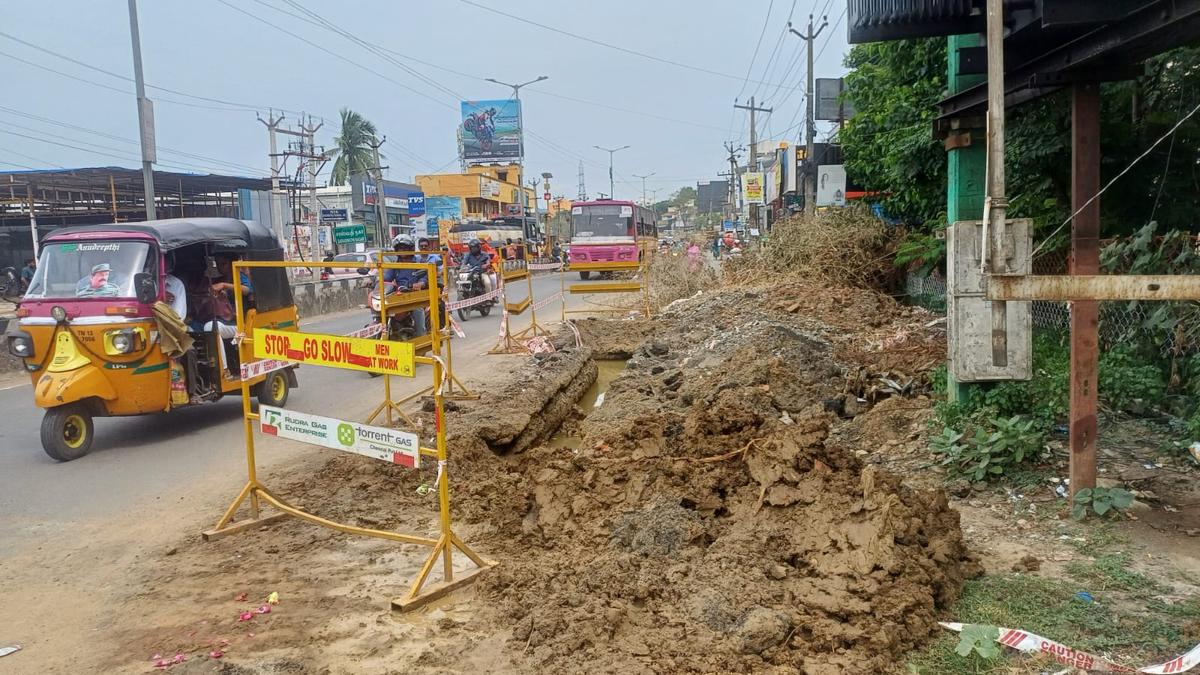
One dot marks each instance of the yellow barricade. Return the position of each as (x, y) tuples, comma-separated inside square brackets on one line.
[(386, 357)]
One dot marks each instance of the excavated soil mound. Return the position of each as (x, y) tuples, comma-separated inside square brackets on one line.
[(709, 522)]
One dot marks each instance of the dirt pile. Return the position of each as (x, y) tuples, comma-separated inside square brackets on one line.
[(710, 522)]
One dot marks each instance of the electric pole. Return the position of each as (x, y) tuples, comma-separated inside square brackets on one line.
[(306, 150), (735, 187), (582, 195), (145, 115), (644, 202), (611, 151), (381, 223), (752, 161), (810, 127), (272, 124)]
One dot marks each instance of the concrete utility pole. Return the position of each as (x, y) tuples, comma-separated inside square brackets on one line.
[(145, 115), (611, 151), (520, 125), (735, 187), (533, 185), (753, 160), (381, 224), (810, 126), (272, 124), (995, 205), (306, 150), (644, 202), (582, 194)]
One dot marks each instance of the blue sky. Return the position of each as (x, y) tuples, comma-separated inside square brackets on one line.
[(222, 64)]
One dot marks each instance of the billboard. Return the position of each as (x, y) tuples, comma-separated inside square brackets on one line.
[(830, 105), (441, 213), (491, 130), (831, 185), (752, 187)]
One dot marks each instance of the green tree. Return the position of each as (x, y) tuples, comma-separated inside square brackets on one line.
[(888, 144), (352, 147)]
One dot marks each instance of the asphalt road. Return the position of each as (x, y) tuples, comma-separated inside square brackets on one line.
[(152, 457)]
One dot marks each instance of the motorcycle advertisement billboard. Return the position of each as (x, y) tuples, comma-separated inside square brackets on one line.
[(491, 130)]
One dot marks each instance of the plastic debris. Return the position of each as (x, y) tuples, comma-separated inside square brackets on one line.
[(1031, 643), (1085, 597), (265, 609), (240, 597), (273, 598), (167, 663), (216, 654), (1194, 450), (5, 651), (245, 616)]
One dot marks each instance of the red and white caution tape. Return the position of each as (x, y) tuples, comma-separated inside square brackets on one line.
[(1030, 643), (455, 327), (546, 301), (575, 330), (471, 302), (255, 368)]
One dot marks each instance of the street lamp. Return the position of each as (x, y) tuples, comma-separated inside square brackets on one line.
[(520, 124), (644, 186), (611, 189)]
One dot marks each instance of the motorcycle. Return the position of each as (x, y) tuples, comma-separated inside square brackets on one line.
[(470, 285), (10, 285), (400, 324)]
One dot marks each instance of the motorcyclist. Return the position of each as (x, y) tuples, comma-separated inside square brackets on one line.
[(476, 258), (407, 280)]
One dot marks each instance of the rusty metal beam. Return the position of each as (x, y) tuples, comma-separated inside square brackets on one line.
[(1094, 287), (1085, 260)]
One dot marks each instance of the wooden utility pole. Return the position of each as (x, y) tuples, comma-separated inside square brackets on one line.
[(752, 161), (810, 125)]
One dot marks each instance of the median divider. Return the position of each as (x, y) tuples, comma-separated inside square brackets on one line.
[(389, 358)]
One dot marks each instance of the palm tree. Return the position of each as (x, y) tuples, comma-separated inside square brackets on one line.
[(352, 147)]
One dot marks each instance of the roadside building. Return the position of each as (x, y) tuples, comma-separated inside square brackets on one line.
[(485, 191)]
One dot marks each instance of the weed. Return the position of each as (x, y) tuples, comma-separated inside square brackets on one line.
[(988, 449), (1048, 607), (1110, 572), (1100, 501)]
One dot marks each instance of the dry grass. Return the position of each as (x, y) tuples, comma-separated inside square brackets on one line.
[(672, 278), (845, 247)]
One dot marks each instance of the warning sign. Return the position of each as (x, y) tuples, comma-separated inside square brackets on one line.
[(388, 445), (375, 356)]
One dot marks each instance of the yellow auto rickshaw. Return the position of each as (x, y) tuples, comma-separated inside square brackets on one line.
[(97, 340)]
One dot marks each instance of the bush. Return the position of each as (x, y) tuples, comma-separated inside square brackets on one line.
[(846, 247), (1126, 380), (988, 449)]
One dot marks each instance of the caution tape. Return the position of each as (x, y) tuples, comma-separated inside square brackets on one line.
[(545, 301), (455, 327), (471, 302), (256, 368), (1030, 643), (539, 267)]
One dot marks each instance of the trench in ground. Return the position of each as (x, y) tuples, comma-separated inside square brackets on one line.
[(606, 371)]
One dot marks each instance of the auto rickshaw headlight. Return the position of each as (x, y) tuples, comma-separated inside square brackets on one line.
[(59, 313), (123, 340), (20, 346)]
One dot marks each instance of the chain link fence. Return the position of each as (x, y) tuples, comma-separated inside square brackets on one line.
[(1121, 322)]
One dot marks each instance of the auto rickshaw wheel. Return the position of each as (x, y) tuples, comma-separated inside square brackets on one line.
[(274, 390), (67, 432)]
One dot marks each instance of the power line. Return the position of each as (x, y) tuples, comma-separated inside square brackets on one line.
[(163, 148), (607, 45), (31, 158), (757, 45), (234, 104), (97, 152)]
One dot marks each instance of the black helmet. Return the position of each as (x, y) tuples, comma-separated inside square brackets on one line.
[(475, 246)]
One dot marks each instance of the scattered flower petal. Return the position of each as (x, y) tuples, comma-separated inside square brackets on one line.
[(245, 616), (273, 598)]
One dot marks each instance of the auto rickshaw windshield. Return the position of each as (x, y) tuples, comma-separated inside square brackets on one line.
[(89, 269)]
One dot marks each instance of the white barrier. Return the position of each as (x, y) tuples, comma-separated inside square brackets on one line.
[(471, 302)]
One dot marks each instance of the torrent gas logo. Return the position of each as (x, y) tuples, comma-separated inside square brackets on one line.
[(345, 434)]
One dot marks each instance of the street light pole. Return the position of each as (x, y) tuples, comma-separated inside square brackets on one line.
[(145, 115), (516, 88), (644, 186), (612, 192)]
